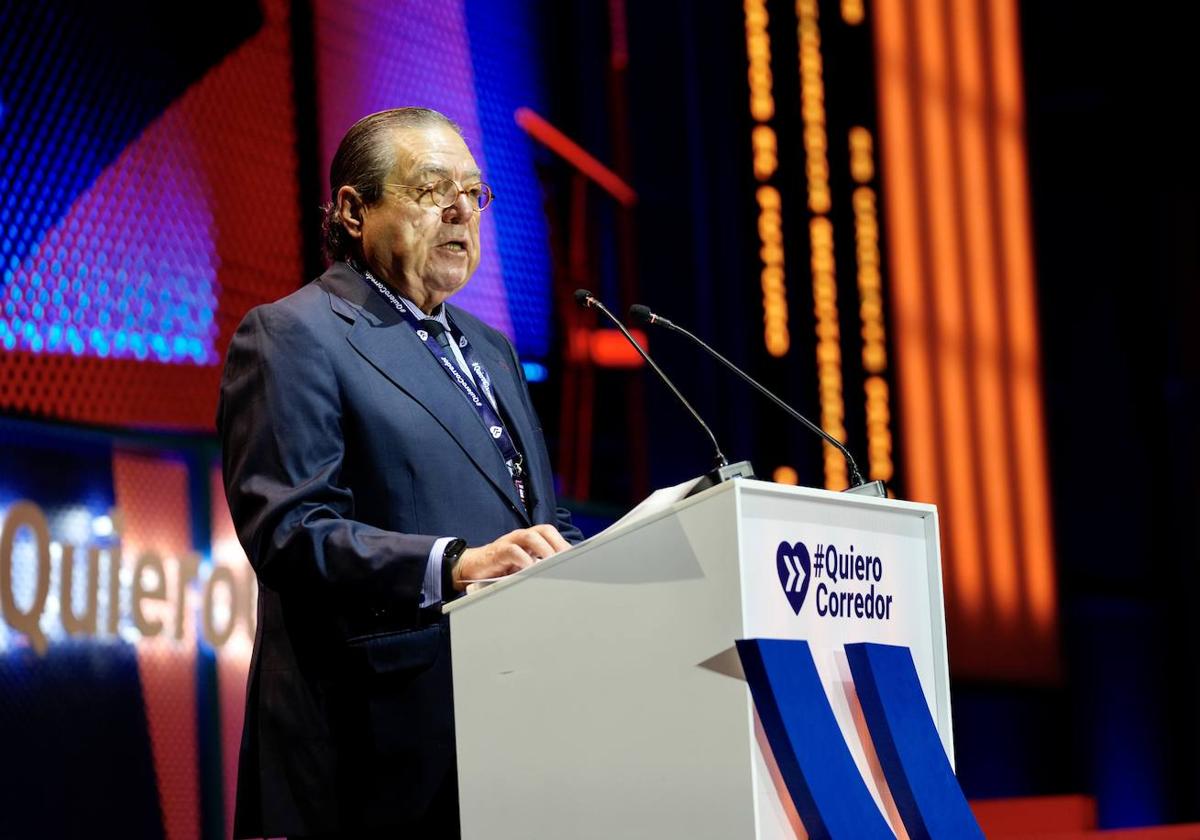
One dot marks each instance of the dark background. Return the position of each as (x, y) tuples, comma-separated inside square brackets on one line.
[(1115, 191), (1114, 186)]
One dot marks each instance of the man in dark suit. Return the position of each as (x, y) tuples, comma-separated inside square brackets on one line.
[(380, 452)]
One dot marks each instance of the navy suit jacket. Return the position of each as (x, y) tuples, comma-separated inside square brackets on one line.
[(347, 453)]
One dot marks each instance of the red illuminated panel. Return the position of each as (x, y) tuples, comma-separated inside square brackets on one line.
[(209, 187), (233, 664), (609, 348), (964, 321), (151, 494)]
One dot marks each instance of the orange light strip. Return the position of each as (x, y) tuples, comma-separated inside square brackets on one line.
[(776, 337), (870, 306), (821, 241), (964, 318), (610, 349), (958, 445), (812, 107), (984, 313), (537, 127), (910, 324), (1026, 412)]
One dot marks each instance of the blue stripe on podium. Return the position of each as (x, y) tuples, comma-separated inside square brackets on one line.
[(923, 785), (816, 765)]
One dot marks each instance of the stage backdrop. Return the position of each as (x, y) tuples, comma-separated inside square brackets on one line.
[(157, 179)]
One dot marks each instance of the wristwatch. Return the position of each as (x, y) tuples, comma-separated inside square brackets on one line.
[(450, 557)]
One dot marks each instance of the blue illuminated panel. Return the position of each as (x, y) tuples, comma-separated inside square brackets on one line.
[(148, 198), (505, 55), (535, 371), (96, 284), (107, 238), (476, 62)]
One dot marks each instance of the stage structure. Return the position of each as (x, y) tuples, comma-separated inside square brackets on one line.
[(600, 693)]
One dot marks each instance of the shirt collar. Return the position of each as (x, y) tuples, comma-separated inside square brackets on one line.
[(438, 314)]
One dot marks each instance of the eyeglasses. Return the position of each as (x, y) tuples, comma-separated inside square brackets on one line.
[(446, 192)]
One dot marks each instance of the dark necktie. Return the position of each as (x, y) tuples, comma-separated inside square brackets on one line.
[(435, 329), (439, 332)]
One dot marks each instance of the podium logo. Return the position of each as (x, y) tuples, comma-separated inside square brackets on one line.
[(849, 584), (793, 565)]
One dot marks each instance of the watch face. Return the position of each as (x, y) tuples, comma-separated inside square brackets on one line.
[(450, 558), (453, 553)]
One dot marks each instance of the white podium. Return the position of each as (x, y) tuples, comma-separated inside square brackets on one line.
[(598, 694)]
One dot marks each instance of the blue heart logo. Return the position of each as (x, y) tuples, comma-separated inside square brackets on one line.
[(793, 565)]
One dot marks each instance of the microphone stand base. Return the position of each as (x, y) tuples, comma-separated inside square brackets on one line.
[(871, 488), (720, 475)]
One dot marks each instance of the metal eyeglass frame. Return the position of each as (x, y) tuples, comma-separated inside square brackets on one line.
[(431, 189)]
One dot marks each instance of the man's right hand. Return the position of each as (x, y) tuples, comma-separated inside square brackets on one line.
[(511, 553)]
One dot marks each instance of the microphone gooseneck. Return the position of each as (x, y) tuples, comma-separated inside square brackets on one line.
[(645, 315), (587, 300)]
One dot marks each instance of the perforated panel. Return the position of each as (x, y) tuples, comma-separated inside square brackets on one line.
[(151, 492), (474, 62), (139, 219), (233, 666)]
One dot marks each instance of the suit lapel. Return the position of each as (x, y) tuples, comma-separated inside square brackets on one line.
[(380, 335)]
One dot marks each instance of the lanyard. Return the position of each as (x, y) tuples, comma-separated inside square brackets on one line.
[(487, 413)]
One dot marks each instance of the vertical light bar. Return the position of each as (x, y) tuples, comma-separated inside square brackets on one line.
[(902, 213), (965, 320), (984, 312), (776, 337), (953, 387), (821, 241), (870, 307), (1026, 413)]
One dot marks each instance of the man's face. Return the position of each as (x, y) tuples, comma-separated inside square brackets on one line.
[(424, 251)]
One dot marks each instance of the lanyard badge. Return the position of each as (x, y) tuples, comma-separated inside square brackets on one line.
[(431, 334)]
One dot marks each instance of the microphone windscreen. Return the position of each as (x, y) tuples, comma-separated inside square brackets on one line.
[(583, 297), (640, 312)]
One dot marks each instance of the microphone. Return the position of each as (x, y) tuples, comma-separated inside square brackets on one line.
[(723, 470), (860, 486)]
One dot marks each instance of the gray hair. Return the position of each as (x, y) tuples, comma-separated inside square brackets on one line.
[(363, 159)]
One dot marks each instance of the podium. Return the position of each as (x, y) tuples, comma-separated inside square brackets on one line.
[(599, 693)]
